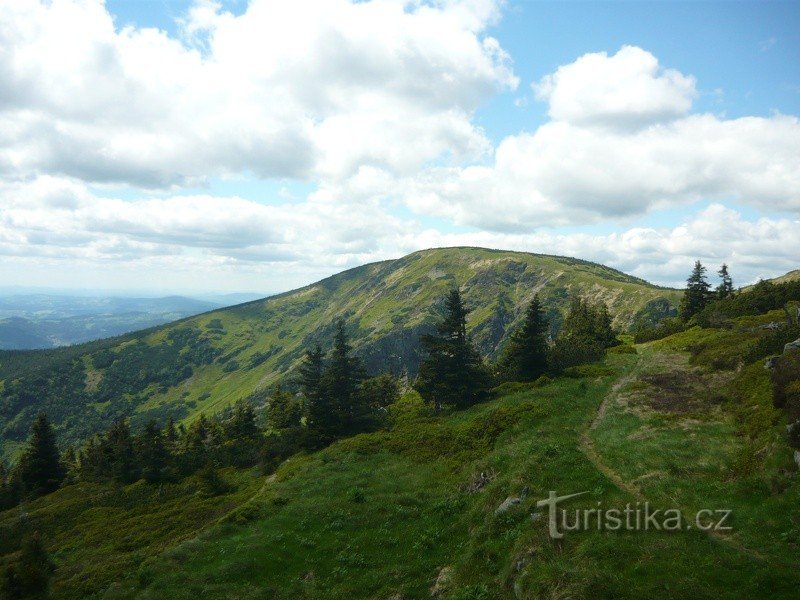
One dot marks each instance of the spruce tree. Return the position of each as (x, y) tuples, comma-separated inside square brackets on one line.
[(40, 470), (340, 383), (282, 411), (525, 356), (452, 373), (118, 448), (29, 575), (151, 453), (725, 288), (696, 295)]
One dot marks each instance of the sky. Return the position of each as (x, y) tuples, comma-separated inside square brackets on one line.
[(218, 146)]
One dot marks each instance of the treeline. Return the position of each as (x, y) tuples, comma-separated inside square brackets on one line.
[(330, 397), (708, 306)]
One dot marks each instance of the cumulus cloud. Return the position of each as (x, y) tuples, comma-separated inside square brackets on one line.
[(290, 88), (620, 143), (54, 221), (627, 89)]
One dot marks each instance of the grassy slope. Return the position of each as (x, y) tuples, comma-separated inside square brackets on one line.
[(385, 304), (381, 514)]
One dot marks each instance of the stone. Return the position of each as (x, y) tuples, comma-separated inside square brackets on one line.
[(769, 363), (797, 458), (795, 345), (443, 581), (507, 503)]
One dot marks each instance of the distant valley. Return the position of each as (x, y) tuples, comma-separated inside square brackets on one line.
[(30, 321)]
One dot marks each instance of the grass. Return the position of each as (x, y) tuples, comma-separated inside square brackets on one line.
[(98, 533), (382, 514)]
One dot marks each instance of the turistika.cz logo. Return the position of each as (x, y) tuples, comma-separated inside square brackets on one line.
[(634, 517)]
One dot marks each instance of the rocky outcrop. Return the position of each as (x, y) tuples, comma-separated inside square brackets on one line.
[(795, 345), (443, 581)]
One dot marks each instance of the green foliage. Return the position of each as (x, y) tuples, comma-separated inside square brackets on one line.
[(697, 294), (725, 288), (663, 329), (759, 299), (28, 576), (525, 356), (40, 470), (786, 384), (452, 373), (210, 482), (283, 410)]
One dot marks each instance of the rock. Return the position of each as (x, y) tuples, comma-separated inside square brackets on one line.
[(792, 426), (535, 516), (773, 325), (797, 458), (507, 503), (443, 581), (795, 345), (478, 482), (770, 362)]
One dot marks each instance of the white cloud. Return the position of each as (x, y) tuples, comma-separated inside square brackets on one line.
[(51, 222), (620, 143), (628, 89), (291, 88)]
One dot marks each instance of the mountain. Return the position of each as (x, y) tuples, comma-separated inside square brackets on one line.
[(34, 321), (207, 362)]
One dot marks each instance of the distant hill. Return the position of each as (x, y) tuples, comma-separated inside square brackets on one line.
[(790, 276), (207, 362), (36, 321)]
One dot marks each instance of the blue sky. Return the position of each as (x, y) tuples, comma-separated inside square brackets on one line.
[(267, 144)]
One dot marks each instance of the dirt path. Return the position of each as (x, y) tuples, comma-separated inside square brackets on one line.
[(590, 450)]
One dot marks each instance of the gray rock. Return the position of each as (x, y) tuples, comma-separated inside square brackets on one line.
[(792, 426), (773, 325), (797, 458), (795, 345), (507, 503), (443, 581), (770, 362)]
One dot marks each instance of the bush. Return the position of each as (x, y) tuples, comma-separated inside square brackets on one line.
[(665, 328), (622, 349), (573, 351)]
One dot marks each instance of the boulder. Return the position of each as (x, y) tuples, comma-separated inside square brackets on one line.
[(795, 345), (507, 503), (443, 581)]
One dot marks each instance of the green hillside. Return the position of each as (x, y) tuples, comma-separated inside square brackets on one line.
[(205, 363)]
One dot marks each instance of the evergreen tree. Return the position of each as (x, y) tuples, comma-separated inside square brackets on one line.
[(170, 435), (29, 575), (151, 453), (340, 384), (696, 295), (40, 470), (452, 372), (8, 497), (283, 412), (725, 288), (118, 449), (241, 436), (525, 356)]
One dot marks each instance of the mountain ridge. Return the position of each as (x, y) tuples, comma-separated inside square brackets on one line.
[(208, 361)]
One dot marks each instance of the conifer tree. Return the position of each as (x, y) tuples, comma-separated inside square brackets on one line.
[(283, 412), (452, 372), (340, 382), (151, 453), (40, 470), (725, 288), (118, 449), (29, 575), (696, 295), (525, 356)]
